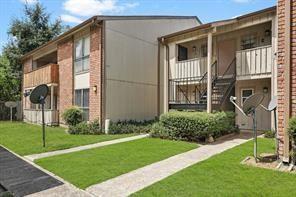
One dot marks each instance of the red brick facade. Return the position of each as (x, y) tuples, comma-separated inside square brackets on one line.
[(286, 69), (96, 74), (65, 62)]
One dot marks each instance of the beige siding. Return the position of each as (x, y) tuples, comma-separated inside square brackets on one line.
[(131, 65), (263, 117)]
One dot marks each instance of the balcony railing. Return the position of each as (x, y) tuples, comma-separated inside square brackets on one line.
[(192, 68), (44, 75), (254, 63), (51, 117)]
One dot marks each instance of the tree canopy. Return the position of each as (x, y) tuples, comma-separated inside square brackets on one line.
[(25, 34)]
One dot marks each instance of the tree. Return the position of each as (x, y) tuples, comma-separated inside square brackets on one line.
[(26, 34)]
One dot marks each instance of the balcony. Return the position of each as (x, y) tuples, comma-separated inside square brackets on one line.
[(192, 68), (51, 117), (47, 74), (254, 63)]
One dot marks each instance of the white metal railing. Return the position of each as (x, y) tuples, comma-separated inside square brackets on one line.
[(51, 117), (192, 68), (254, 62)]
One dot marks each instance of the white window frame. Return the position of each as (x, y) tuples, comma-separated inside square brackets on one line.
[(242, 98), (83, 108), (83, 57)]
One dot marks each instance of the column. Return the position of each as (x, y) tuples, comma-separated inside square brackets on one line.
[(209, 77)]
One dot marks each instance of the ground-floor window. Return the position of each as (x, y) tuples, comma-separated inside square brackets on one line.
[(245, 93), (82, 101)]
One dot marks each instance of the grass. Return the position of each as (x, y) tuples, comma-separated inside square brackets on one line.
[(223, 175), (93, 166), (26, 139)]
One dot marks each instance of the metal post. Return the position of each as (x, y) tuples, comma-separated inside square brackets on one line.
[(276, 134), (43, 123), (10, 114), (255, 134)]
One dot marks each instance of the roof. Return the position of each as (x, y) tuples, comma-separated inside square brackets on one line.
[(219, 23), (105, 18)]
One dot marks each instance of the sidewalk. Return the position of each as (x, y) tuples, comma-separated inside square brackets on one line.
[(85, 147), (136, 180)]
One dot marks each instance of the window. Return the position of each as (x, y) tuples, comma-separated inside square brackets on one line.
[(182, 53), (82, 101), (245, 94), (204, 50), (248, 41), (81, 54)]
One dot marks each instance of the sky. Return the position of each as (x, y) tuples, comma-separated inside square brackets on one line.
[(72, 12)]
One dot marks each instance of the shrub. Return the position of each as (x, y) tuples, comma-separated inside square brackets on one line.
[(269, 134), (80, 128), (95, 127), (85, 128), (72, 116), (194, 126), (130, 126), (292, 126)]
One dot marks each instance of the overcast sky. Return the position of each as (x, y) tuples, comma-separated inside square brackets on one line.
[(73, 12)]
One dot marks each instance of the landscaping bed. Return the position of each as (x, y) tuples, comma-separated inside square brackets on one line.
[(25, 139), (194, 126), (224, 175), (93, 166)]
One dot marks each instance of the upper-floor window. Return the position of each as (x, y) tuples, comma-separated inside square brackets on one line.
[(81, 54), (248, 41), (204, 50), (182, 53)]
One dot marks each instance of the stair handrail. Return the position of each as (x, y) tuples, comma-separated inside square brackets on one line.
[(202, 81)]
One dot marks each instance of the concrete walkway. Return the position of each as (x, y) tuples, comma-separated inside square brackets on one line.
[(136, 180), (85, 147)]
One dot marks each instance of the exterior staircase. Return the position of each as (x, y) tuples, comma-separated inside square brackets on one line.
[(222, 85)]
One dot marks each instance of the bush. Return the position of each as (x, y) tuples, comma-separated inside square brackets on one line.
[(269, 134), (72, 116), (130, 126), (194, 126), (85, 128), (292, 126), (95, 127)]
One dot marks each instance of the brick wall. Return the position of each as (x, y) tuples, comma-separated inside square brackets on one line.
[(65, 61), (96, 76), (280, 80), (286, 92)]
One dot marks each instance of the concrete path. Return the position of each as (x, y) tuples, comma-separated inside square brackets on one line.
[(136, 180), (85, 147)]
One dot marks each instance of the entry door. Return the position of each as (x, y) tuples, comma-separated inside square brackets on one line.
[(226, 53)]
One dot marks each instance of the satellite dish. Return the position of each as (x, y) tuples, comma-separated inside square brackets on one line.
[(252, 102), (38, 95), (272, 104), (249, 108), (10, 104)]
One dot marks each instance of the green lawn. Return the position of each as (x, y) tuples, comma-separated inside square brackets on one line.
[(223, 175), (26, 139), (93, 166)]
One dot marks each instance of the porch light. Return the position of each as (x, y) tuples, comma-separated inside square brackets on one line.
[(265, 90), (95, 88)]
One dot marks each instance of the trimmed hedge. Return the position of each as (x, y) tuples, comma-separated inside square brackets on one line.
[(86, 128), (130, 126), (194, 126)]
